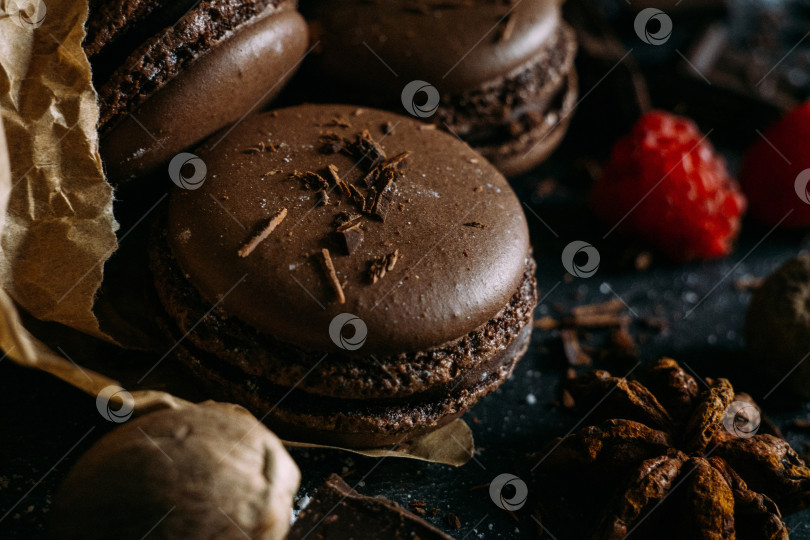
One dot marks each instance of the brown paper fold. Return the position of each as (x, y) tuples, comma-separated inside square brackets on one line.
[(59, 225), (57, 228)]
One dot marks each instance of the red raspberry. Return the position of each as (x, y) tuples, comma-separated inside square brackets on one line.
[(769, 178), (665, 184)]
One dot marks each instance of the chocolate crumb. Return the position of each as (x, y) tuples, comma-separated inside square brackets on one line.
[(452, 521), (339, 122), (358, 112), (388, 128), (274, 222), (381, 265), (434, 512), (476, 224), (311, 180), (478, 189), (331, 275), (427, 127)]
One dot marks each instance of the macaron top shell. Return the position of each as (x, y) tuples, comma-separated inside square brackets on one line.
[(456, 225), (454, 46)]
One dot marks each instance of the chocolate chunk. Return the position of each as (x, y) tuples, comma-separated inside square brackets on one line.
[(336, 511), (368, 149), (384, 200), (352, 235)]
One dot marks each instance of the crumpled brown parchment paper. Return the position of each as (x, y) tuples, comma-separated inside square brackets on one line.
[(57, 228)]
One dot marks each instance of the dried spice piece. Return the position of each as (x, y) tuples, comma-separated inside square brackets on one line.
[(613, 443), (619, 397), (381, 265), (731, 481), (753, 512), (274, 221), (709, 502), (331, 275), (573, 351), (769, 465), (676, 389), (650, 484), (707, 417)]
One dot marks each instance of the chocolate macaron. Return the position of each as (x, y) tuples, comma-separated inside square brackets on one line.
[(351, 276), (503, 72), (170, 73)]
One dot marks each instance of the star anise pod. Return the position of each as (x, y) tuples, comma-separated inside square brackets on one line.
[(672, 458)]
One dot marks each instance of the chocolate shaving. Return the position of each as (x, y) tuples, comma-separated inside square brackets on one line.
[(452, 521), (381, 265), (311, 180), (331, 275), (333, 172), (396, 161), (369, 149), (476, 224), (359, 198), (274, 222)]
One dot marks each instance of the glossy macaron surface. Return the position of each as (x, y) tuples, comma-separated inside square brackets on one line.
[(456, 225)]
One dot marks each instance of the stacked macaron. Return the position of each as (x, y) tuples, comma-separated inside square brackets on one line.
[(497, 74), (168, 74), (348, 275), (353, 276)]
